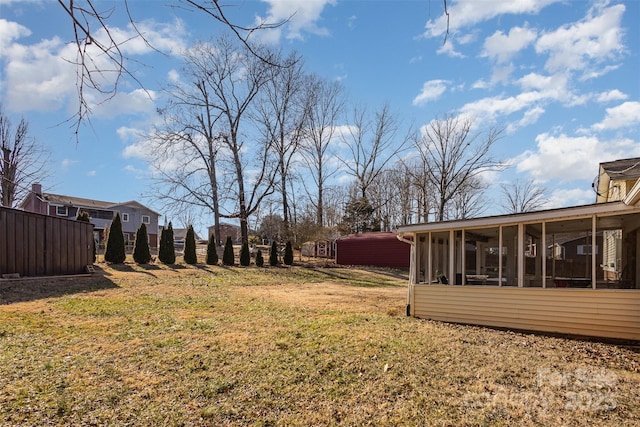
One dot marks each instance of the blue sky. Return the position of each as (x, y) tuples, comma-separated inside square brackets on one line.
[(563, 78)]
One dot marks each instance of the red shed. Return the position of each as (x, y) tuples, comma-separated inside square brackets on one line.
[(382, 249)]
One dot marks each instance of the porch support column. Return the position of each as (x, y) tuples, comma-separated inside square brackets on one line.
[(429, 261), (500, 256), (543, 252), (464, 259), (452, 257), (593, 251), (520, 255)]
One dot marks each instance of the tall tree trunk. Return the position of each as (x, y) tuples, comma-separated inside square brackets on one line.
[(320, 208)]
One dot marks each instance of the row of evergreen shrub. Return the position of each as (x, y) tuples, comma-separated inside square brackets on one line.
[(115, 249)]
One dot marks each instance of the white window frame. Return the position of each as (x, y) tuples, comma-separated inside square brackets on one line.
[(125, 217), (66, 211), (148, 219)]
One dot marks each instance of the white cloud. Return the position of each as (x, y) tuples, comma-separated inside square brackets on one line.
[(576, 46), (480, 84), (128, 134), (530, 116), (10, 31), (37, 78), (502, 47), (598, 72), (624, 115), (42, 76), (567, 158), (501, 74), (549, 84), (612, 95), (487, 109), (431, 90), (92, 173), (466, 13), (138, 173), (570, 197), (301, 16), (8, 2), (134, 102), (173, 76), (67, 163), (449, 49)]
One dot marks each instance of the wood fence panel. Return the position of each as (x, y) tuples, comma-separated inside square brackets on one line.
[(39, 245)]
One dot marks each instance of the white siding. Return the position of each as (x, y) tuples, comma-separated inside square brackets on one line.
[(607, 313)]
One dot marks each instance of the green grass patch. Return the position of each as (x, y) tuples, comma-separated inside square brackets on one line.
[(288, 346)]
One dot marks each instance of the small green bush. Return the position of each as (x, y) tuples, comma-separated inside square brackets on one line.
[(212, 251), (288, 254), (141, 252), (259, 259), (190, 256), (245, 255), (273, 255), (167, 252), (115, 251), (228, 257)]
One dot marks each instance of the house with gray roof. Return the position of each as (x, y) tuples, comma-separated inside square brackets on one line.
[(101, 213)]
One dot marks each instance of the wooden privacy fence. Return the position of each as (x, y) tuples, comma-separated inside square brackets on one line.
[(39, 245)]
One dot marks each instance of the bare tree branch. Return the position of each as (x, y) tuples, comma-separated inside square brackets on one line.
[(22, 161), (522, 196), (100, 61), (454, 156)]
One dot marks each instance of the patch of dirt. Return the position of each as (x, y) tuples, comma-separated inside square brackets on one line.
[(331, 296)]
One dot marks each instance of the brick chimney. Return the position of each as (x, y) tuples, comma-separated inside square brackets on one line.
[(36, 189)]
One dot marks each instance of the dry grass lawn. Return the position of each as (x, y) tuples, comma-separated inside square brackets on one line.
[(306, 345)]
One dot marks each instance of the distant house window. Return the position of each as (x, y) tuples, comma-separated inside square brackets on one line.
[(62, 211), (586, 250), (125, 217), (146, 219)]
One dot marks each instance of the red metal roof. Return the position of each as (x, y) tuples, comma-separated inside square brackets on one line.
[(381, 249)]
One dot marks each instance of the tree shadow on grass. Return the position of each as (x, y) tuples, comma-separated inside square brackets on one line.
[(132, 268), (342, 276), (35, 288), (215, 268)]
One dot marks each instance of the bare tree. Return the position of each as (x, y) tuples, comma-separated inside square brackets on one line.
[(281, 112), (402, 183), (236, 77), (372, 142), (470, 201), (393, 196), (22, 161), (325, 103), (210, 133), (522, 196), (97, 43), (423, 197), (187, 145), (455, 154)]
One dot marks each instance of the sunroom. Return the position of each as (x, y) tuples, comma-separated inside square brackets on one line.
[(571, 271)]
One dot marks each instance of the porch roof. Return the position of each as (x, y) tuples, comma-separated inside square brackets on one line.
[(601, 209)]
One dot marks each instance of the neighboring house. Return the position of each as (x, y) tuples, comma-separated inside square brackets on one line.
[(504, 278), (319, 248), (226, 230), (618, 181), (132, 213), (180, 236)]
